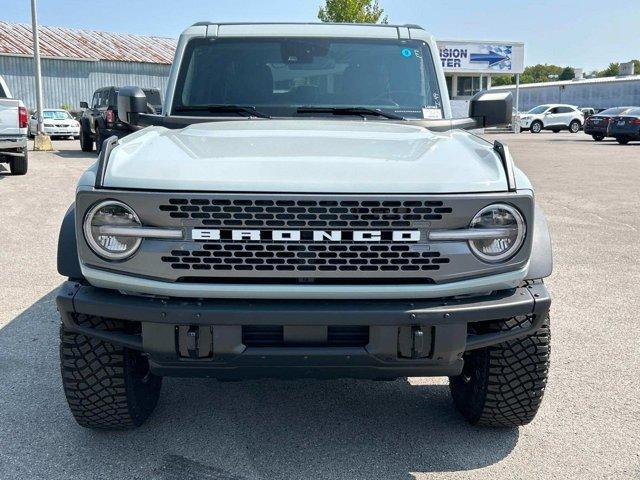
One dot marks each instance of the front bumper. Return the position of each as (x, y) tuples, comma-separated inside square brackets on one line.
[(62, 131), (196, 337)]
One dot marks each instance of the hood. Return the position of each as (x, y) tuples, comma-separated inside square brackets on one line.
[(305, 156)]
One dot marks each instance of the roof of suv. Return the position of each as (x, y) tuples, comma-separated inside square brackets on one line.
[(319, 29), (407, 25)]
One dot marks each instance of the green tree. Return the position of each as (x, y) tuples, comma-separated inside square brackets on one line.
[(498, 80), (568, 73), (352, 11), (540, 73), (611, 71)]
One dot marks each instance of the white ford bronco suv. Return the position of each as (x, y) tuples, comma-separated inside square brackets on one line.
[(304, 206)]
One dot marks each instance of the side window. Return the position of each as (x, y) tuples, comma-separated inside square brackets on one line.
[(104, 99), (565, 110), (2, 92), (95, 102), (553, 110), (113, 98)]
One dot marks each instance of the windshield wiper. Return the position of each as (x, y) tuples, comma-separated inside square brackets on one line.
[(224, 109), (351, 111)]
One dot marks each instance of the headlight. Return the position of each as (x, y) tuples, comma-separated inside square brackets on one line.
[(510, 231), (111, 214)]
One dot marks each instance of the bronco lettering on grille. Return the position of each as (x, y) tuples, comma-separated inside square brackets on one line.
[(321, 236)]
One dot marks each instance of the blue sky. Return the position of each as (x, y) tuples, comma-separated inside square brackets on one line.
[(583, 34)]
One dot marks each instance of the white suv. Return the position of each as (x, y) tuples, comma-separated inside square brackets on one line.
[(553, 117)]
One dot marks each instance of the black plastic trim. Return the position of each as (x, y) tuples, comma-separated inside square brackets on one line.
[(507, 164), (74, 297), (68, 263), (103, 160)]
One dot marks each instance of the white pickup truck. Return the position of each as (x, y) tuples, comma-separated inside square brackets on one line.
[(13, 131)]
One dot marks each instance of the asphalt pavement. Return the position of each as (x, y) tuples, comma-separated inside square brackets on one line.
[(588, 426)]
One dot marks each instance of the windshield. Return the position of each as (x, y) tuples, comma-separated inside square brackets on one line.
[(279, 75), (540, 109), (56, 115)]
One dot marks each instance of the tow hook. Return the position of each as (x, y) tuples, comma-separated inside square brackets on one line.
[(414, 341), (194, 341)]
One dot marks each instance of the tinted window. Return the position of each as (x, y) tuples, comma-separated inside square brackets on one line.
[(468, 86), (280, 74), (612, 111), (96, 100), (153, 96), (3, 94), (537, 110), (565, 110)]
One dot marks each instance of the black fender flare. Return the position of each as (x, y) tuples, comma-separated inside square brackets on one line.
[(541, 262), (68, 263)]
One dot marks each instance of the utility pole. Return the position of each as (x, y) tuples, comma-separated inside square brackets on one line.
[(42, 141)]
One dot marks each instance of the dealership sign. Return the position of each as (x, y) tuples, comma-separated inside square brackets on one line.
[(482, 57)]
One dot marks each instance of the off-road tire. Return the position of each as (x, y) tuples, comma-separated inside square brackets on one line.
[(86, 142), (107, 386), (574, 126), (19, 165), (598, 137), (503, 385), (536, 127)]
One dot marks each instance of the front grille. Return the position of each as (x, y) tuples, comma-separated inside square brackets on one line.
[(262, 336), (305, 257), (299, 213), (323, 247)]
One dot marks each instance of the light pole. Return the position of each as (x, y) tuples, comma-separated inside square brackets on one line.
[(42, 141)]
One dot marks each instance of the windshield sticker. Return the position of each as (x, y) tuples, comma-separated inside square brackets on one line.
[(432, 113), (406, 52), (436, 99)]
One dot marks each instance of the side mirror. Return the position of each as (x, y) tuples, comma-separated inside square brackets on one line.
[(491, 109), (84, 105), (131, 103)]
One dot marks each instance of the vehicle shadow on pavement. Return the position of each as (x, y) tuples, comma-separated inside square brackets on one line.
[(204, 429), (73, 153)]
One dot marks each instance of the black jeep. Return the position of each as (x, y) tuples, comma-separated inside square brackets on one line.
[(100, 120)]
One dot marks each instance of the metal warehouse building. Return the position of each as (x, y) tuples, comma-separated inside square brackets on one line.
[(594, 92), (76, 62)]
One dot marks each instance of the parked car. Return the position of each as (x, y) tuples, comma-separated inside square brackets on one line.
[(100, 120), (587, 111), (13, 131), (554, 117), (322, 235), (626, 127), (597, 125), (57, 123)]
